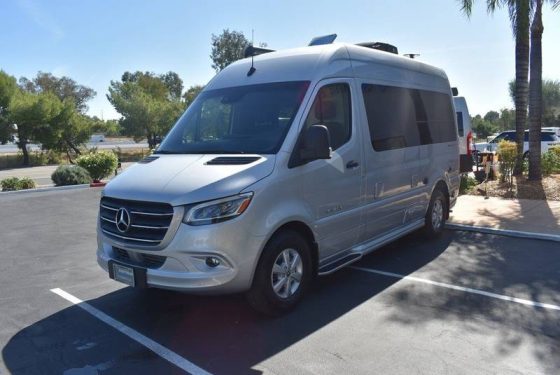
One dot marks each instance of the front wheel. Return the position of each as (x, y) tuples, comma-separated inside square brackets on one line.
[(283, 274), (436, 215)]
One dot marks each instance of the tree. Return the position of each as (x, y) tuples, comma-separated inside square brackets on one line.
[(507, 119), (492, 116), (148, 103), (32, 114), (550, 101), (536, 91), (482, 127), (63, 87), (191, 94), (519, 14), (227, 48), (8, 88)]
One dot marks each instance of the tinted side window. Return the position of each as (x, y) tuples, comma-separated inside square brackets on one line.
[(460, 126), (332, 108), (548, 137), (400, 117)]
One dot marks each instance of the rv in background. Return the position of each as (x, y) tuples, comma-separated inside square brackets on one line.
[(464, 129)]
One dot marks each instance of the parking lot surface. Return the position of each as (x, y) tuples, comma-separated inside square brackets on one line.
[(465, 303)]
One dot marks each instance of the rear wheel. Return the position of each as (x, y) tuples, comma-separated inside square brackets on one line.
[(436, 215), (283, 274)]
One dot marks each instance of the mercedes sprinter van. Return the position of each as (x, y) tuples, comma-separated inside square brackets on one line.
[(288, 165)]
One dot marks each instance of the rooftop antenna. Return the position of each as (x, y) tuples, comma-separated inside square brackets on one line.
[(252, 69), (412, 55)]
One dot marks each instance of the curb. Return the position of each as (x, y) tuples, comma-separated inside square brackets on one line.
[(46, 189), (504, 232)]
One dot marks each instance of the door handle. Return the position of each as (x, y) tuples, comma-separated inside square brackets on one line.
[(352, 164)]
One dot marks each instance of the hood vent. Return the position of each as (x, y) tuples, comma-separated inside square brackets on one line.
[(233, 160), (148, 159)]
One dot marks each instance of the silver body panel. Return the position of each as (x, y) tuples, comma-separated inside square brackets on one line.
[(349, 211)]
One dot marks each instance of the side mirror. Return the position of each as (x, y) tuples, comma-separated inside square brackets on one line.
[(316, 144)]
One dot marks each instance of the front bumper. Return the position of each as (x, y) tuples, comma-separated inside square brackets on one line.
[(184, 266)]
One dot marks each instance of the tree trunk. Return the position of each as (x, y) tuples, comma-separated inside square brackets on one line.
[(535, 95), (151, 141), (22, 144), (521, 78)]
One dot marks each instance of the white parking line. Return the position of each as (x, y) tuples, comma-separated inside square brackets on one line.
[(461, 288), (160, 350)]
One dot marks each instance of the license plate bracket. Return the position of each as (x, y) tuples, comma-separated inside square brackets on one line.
[(127, 274)]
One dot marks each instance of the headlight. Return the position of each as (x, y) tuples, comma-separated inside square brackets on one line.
[(218, 210)]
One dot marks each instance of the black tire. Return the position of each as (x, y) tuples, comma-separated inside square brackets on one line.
[(526, 155), (438, 207), (262, 296)]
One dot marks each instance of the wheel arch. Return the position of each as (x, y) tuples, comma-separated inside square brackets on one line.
[(305, 231)]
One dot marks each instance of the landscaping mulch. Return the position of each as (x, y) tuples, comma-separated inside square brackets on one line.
[(548, 188)]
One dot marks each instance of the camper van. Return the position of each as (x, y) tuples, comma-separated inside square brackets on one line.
[(464, 130), (287, 166)]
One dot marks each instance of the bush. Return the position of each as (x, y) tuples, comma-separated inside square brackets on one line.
[(14, 183), (26, 183), (98, 164), (550, 162), (10, 184), (466, 184), (507, 152), (70, 175)]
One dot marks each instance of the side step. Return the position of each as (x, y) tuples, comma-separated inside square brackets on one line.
[(339, 263)]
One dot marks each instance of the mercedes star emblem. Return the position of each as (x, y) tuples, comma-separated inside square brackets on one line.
[(122, 220)]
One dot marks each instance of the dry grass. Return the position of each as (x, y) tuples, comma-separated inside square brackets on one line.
[(548, 188)]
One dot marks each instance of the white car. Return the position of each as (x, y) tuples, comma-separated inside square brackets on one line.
[(549, 138)]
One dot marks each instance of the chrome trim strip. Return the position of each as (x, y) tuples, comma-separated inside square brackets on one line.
[(109, 208), (147, 226), (150, 213), (109, 220), (128, 238)]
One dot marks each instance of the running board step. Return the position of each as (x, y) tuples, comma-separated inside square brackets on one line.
[(339, 263)]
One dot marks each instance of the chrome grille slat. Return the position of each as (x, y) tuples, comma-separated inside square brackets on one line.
[(150, 213), (109, 220), (129, 238), (147, 226), (109, 208), (148, 222)]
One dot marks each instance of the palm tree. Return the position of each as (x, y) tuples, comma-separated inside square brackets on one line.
[(519, 14), (535, 94), (535, 91)]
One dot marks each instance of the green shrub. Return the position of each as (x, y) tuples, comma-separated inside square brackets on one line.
[(98, 164), (14, 183), (550, 162), (70, 175), (466, 184), (26, 183), (10, 184), (507, 152)]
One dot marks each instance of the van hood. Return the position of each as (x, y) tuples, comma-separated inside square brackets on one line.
[(186, 179)]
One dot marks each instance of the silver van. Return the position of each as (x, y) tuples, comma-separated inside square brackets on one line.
[(288, 165)]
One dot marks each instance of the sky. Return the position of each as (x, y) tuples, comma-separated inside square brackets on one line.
[(96, 41)]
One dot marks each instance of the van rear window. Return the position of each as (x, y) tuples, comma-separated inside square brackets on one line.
[(401, 117), (460, 126)]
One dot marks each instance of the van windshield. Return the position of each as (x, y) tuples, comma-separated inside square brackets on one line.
[(251, 119)]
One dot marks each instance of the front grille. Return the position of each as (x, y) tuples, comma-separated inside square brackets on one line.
[(139, 259), (148, 221)]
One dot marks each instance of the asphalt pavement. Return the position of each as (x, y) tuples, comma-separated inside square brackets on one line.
[(467, 303)]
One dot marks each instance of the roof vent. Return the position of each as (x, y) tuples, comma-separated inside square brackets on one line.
[(148, 159), (386, 47), (233, 160)]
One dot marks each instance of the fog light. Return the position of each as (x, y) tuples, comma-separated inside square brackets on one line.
[(212, 262)]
